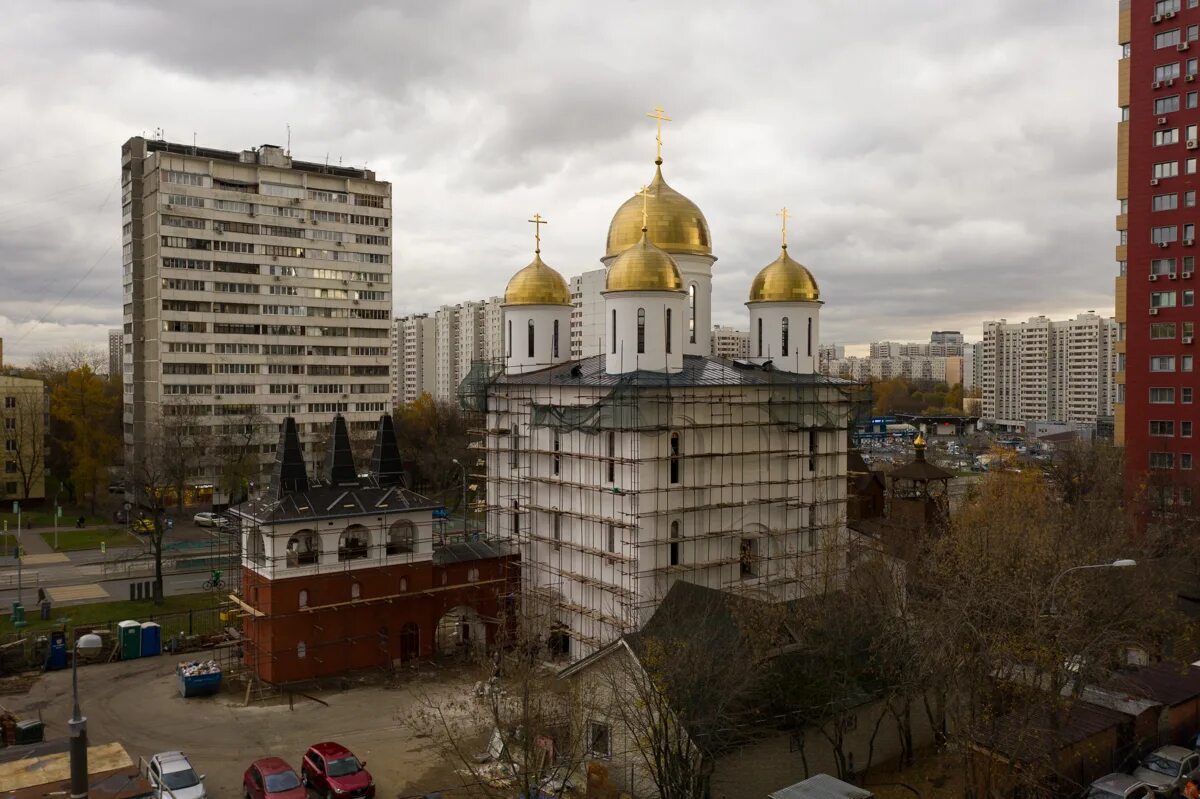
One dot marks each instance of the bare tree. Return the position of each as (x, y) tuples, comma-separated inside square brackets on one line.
[(523, 732), (235, 451), (153, 479)]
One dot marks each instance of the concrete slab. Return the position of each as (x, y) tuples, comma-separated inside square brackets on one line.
[(51, 557), (77, 593)]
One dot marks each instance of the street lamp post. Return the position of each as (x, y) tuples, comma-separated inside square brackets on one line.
[(464, 498), (87, 644), (1122, 563)]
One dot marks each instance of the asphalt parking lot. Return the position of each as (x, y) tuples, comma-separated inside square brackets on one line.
[(138, 704)]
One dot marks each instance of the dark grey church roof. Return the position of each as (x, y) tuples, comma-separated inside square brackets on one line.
[(698, 370), (333, 502)]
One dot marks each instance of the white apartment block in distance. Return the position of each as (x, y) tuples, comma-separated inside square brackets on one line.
[(909, 367), (255, 287), (729, 342), (116, 352), (1044, 370), (587, 315), (464, 334), (414, 343)]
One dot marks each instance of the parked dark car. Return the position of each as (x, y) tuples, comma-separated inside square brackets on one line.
[(272, 778), (333, 772)]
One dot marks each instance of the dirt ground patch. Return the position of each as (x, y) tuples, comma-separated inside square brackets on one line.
[(138, 704)]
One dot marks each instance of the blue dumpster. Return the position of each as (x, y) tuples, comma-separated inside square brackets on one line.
[(151, 639), (198, 678), (56, 658)]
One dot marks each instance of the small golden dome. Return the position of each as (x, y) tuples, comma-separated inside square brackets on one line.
[(919, 441), (644, 267), (537, 284), (674, 222), (784, 280)]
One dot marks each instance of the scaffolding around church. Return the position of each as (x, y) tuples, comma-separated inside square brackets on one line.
[(730, 475)]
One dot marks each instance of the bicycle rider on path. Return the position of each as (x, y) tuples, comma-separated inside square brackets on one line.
[(215, 579)]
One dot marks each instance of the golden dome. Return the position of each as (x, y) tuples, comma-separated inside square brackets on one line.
[(919, 441), (537, 284), (674, 222), (784, 280), (644, 267)]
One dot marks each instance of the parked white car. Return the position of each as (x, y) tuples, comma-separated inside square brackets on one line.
[(206, 519), (1167, 768), (172, 777)]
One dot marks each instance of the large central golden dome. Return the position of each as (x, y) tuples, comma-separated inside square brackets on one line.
[(644, 267), (537, 284), (674, 222), (784, 280)]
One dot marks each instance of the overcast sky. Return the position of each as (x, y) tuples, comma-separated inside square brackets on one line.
[(945, 161)]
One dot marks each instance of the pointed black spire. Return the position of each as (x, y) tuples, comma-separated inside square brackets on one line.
[(385, 458), (339, 457), (290, 476)]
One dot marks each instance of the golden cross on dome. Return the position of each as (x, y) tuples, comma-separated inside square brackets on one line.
[(660, 117), (538, 221), (645, 195), (784, 214)]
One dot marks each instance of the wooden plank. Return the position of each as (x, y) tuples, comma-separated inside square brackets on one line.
[(47, 769), (252, 611)]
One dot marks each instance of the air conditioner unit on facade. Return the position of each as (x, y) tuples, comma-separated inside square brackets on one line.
[(1182, 46), (295, 201), (1155, 85), (1162, 120), (1169, 15), (1152, 278), (1154, 312), (1188, 242), (1153, 181), (1192, 144), (1187, 339), (1163, 245), (1157, 18), (1170, 81), (1190, 78), (1187, 275), (1173, 277)]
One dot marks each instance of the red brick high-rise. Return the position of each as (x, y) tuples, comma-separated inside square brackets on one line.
[(1158, 150)]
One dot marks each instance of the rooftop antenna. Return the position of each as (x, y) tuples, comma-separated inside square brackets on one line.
[(193, 142)]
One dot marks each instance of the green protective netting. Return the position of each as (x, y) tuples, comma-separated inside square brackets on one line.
[(473, 390), (623, 408)]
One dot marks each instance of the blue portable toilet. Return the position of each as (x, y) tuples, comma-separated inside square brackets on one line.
[(56, 657), (151, 639)]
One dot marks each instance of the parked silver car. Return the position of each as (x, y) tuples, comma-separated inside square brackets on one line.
[(1167, 769), (1119, 786)]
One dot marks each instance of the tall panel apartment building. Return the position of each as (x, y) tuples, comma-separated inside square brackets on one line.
[(1042, 370), (116, 352), (414, 344), (1157, 139), (465, 333), (255, 286), (587, 317), (729, 342)]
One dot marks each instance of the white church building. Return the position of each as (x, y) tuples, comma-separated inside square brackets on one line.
[(653, 462)]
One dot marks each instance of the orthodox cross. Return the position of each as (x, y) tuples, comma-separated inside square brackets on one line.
[(784, 214), (659, 118), (538, 221), (646, 195)]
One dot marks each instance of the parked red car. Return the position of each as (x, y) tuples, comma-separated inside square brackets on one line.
[(334, 772), (272, 778)]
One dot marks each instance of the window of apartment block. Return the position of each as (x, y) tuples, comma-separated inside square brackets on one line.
[(1162, 363), (1162, 299), (1164, 234), (1185, 395), (1162, 428), (1185, 363), (1164, 202), (1166, 105), (1166, 169), (1162, 460), (1162, 331), (1162, 396), (1165, 7), (1185, 429), (1165, 137), (1189, 298), (1166, 39), (1185, 460)]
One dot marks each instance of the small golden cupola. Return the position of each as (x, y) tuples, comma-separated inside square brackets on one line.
[(644, 266), (537, 283), (784, 280)]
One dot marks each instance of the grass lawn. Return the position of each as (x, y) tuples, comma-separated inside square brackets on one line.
[(71, 540), (175, 608), (44, 517)]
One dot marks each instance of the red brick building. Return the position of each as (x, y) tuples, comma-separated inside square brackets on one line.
[(346, 573), (1157, 183)]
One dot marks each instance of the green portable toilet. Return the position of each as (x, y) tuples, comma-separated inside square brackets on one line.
[(130, 635)]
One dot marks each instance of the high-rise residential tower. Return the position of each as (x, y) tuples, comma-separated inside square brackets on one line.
[(256, 287), (1158, 150)]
